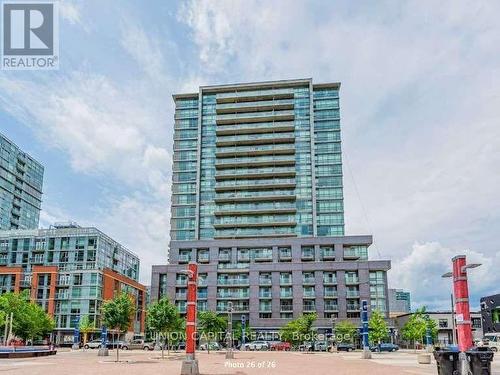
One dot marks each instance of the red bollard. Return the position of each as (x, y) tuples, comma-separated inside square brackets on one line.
[(461, 292), (190, 364)]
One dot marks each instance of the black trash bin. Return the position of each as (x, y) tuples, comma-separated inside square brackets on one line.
[(480, 360), (447, 361)]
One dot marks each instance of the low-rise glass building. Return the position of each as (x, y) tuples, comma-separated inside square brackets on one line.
[(70, 271)]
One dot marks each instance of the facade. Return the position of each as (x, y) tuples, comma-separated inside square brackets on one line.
[(490, 312), (399, 302), (257, 201), (444, 323), (70, 271), (21, 180)]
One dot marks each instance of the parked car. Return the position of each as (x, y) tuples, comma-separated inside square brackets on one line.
[(280, 346), (384, 347), (306, 347), (93, 344), (491, 340), (320, 346), (345, 347), (138, 344), (212, 345), (117, 344), (257, 345)]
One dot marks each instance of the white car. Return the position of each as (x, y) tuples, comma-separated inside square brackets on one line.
[(94, 344), (257, 345), (491, 340)]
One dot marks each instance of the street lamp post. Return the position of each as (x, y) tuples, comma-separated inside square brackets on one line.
[(190, 363), (229, 338), (462, 309)]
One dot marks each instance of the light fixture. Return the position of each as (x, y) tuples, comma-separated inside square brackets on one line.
[(447, 274)]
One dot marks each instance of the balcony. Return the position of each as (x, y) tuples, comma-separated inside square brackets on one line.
[(180, 295), (330, 293), (267, 149), (254, 94), (233, 282), (307, 256), (255, 208), (350, 254), (224, 257), (328, 254), (286, 308), (260, 105), (265, 281), (235, 173), (308, 280), (255, 139), (232, 266), (202, 295), (184, 258), (351, 280), (245, 196), (257, 160), (181, 282), (309, 307), (263, 256), (329, 280), (244, 257), (236, 308), (203, 257), (248, 117), (353, 307), (267, 183), (286, 294), (62, 295), (286, 281), (331, 307), (256, 127), (265, 294), (309, 294), (285, 255), (352, 294), (234, 295)]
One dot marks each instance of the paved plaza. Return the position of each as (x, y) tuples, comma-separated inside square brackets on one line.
[(145, 363)]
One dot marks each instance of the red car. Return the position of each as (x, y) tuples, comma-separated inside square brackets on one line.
[(286, 346)]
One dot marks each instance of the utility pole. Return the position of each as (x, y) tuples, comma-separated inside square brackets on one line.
[(364, 321), (190, 363)]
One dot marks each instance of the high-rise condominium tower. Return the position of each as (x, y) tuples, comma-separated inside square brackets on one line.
[(258, 202)]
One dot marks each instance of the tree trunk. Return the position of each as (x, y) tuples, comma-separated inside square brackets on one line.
[(168, 346), (163, 350), (117, 349), (208, 346)]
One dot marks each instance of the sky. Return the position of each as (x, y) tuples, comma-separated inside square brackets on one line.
[(420, 109)]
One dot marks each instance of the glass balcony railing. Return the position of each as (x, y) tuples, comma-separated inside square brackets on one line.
[(260, 182), (232, 282), (255, 149), (234, 266), (331, 307), (202, 295), (329, 280), (245, 257), (265, 281), (266, 294), (330, 293), (181, 282), (255, 115), (352, 293), (353, 307), (235, 307), (255, 171), (309, 294), (249, 138), (328, 254), (180, 295), (308, 280), (285, 280), (290, 194), (255, 232), (255, 207), (263, 255), (350, 253), (352, 280), (286, 308), (309, 307), (265, 308), (263, 103), (234, 295), (224, 257), (256, 160), (285, 254), (255, 127), (264, 219), (286, 294), (250, 93), (184, 257)]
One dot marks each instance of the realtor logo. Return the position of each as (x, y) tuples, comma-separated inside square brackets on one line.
[(30, 35)]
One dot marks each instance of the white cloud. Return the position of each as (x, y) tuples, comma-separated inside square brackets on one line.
[(420, 272)]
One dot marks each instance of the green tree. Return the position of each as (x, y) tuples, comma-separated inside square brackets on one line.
[(117, 314), (345, 331), (211, 325), (378, 329), (86, 326), (238, 332), (30, 320), (416, 327), (163, 318), (299, 330)]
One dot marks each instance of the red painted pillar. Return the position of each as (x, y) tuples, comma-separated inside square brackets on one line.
[(191, 309), (461, 292)]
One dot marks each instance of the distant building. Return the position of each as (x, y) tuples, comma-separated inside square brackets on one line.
[(21, 180), (70, 271), (490, 312), (444, 323), (399, 302)]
